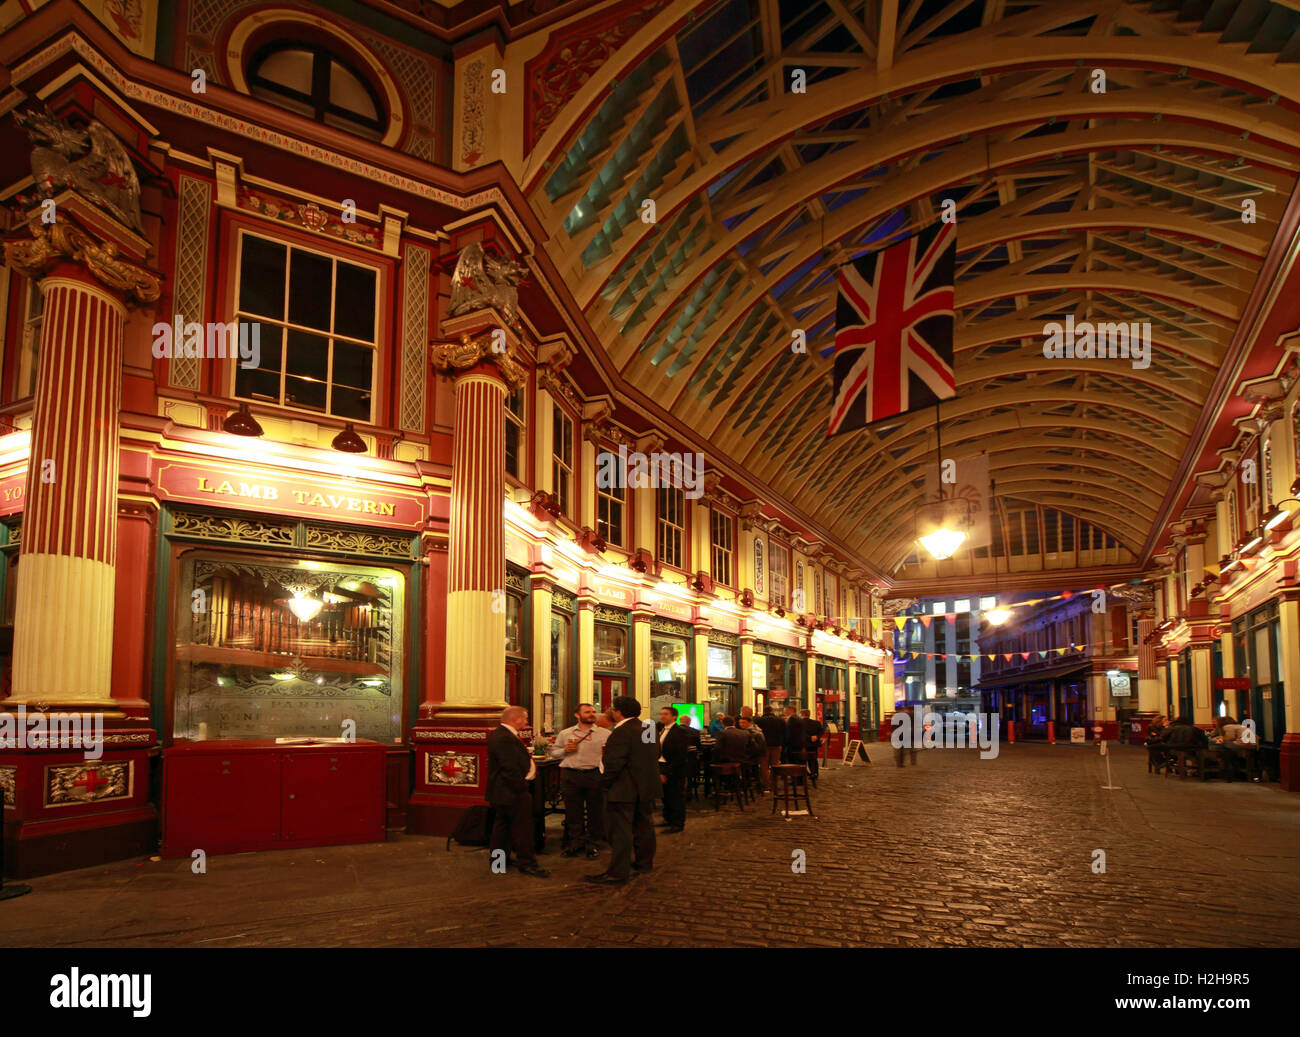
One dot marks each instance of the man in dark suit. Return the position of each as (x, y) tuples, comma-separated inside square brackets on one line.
[(631, 780), (773, 728), (812, 741), (510, 768), (793, 736), (732, 745), (673, 747)]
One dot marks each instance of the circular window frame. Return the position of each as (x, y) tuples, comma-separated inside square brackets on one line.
[(263, 27)]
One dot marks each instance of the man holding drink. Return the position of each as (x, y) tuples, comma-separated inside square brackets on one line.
[(578, 748)]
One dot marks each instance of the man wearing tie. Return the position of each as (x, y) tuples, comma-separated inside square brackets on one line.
[(578, 749), (673, 744), (631, 781), (510, 769)]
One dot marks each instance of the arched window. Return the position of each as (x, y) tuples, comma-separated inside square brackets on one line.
[(309, 79)]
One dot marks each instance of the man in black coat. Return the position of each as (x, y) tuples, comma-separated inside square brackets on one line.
[(773, 728), (812, 741), (510, 767), (732, 745), (674, 744), (793, 744), (631, 781)]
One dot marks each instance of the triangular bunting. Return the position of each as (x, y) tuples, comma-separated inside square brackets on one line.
[(925, 621), (900, 621)]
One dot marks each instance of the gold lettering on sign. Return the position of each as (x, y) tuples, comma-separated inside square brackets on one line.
[(245, 489), (261, 491)]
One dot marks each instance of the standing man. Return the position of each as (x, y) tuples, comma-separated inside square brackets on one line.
[(773, 728), (673, 746), (812, 741), (510, 769), (757, 757), (631, 782), (578, 749), (793, 744)]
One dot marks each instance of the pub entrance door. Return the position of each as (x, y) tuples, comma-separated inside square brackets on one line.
[(607, 689)]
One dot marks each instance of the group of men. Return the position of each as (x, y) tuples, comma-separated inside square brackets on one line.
[(611, 773), (610, 778)]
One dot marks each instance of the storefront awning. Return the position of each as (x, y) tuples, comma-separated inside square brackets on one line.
[(1046, 673)]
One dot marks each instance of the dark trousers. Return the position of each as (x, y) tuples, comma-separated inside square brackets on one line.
[(808, 757), (898, 755), (512, 827), (674, 795), (584, 821), (631, 826)]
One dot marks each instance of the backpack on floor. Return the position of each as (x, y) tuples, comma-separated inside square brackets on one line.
[(473, 828)]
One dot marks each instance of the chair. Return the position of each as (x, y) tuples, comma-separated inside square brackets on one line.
[(727, 785), (1158, 760), (1210, 761), (789, 785), (692, 773)]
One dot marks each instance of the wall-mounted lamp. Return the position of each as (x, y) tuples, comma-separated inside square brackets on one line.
[(1277, 514), (348, 441), (241, 423)]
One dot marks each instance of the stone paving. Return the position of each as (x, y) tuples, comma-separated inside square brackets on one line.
[(955, 851)]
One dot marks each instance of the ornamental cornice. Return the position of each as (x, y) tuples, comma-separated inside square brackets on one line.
[(64, 242), (490, 346)]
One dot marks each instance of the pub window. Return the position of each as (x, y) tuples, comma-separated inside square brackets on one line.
[(610, 503), (30, 349), (671, 526), (721, 537), (318, 84), (516, 434), (314, 317), (779, 563), (287, 648), (562, 458)]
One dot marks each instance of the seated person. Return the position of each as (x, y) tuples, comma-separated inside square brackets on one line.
[(1157, 729), (733, 745), (1183, 734)]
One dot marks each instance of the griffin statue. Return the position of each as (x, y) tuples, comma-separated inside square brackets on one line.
[(91, 162), (482, 280)]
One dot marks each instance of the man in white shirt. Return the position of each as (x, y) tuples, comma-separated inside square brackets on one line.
[(578, 748)]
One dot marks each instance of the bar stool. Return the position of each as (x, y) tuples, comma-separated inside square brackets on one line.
[(727, 785), (692, 773), (793, 779)]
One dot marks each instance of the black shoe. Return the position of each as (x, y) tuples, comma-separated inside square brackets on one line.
[(534, 871), (572, 851), (604, 879), (592, 853)]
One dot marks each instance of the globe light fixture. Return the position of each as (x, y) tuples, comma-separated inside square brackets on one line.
[(998, 616), (305, 608)]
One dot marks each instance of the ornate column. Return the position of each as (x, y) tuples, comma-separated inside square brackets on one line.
[(63, 621), (451, 737), (83, 800)]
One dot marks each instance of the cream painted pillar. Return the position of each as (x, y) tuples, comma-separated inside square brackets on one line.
[(543, 440), (1288, 630), (586, 652), (540, 603), (1202, 676), (810, 684), (586, 482), (745, 660), (700, 664), (641, 654), (888, 696), (1102, 707)]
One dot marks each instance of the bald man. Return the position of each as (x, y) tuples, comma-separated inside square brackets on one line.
[(510, 768)]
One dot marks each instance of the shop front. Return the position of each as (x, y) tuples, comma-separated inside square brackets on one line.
[(612, 667), (518, 664), (780, 677), (724, 684), (867, 679), (558, 701), (671, 670), (1255, 640)]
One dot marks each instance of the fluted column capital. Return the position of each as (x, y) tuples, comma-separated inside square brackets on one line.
[(491, 350), (63, 241)]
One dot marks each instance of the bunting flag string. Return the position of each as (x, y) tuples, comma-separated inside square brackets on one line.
[(1042, 653)]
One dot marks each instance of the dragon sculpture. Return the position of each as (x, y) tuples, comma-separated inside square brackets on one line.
[(92, 162), (482, 280)]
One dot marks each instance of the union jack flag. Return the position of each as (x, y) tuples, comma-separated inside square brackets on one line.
[(893, 330)]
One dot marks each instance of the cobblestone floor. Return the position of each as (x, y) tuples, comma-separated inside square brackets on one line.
[(953, 852)]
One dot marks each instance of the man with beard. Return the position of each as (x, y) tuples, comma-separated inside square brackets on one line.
[(578, 749)]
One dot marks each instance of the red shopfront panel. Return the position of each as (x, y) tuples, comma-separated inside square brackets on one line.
[(219, 802), (333, 796)]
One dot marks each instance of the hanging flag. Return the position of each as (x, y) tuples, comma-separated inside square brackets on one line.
[(1024, 655), (900, 621), (894, 329), (1042, 655), (951, 617), (1006, 656), (925, 621), (968, 484)]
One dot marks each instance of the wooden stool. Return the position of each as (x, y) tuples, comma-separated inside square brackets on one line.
[(793, 778), (726, 784)]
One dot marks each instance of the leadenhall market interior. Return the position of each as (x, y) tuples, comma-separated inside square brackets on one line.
[(316, 321)]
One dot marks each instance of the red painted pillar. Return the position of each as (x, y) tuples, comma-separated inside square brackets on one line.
[(133, 615)]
